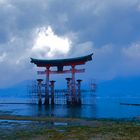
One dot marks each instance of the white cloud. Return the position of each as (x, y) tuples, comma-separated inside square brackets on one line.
[(107, 49), (3, 1), (81, 49), (2, 57), (133, 51), (102, 7), (48, 45)]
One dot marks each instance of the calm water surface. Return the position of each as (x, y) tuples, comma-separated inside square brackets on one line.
[(100, 108)]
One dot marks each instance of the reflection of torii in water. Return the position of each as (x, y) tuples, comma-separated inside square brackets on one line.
[(60, 63)]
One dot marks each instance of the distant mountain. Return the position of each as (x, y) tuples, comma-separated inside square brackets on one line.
[(19, 90), (120, 87)]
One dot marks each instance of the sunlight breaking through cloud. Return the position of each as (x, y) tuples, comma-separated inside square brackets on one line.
[(48, 45)]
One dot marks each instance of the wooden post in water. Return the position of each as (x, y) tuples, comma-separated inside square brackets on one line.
[(39, 91), (52, 92), (68, 90), (79, 92)]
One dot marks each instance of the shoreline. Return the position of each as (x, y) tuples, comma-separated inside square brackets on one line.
[(68, 119), (52, 128)]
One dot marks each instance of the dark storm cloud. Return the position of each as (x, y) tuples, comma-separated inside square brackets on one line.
[(103, 22)]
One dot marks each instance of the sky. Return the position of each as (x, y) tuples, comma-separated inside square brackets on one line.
[(54, 29)]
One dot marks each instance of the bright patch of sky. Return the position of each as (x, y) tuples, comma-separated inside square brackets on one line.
[(48, 45), (2, 57)]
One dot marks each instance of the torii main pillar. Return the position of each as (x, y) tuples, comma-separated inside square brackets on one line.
[(73, 86), (46, 102)]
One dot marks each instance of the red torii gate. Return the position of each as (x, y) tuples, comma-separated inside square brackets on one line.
[(60, 63)]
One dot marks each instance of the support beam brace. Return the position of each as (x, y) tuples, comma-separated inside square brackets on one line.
[(61, 72)]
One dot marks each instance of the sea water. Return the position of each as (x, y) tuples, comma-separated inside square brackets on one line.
[(101, 107)]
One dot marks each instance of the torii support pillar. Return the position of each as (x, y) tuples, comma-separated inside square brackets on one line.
[(79, 92), (39, 92), (73, 102), (47, 86), (68, 90), (52, 92)]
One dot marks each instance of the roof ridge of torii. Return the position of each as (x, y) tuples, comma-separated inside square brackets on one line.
[(62, 62)]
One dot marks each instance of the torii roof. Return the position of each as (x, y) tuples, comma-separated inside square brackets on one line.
[(62, 62)]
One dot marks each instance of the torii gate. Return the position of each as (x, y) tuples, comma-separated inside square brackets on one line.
[(60, 63)]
